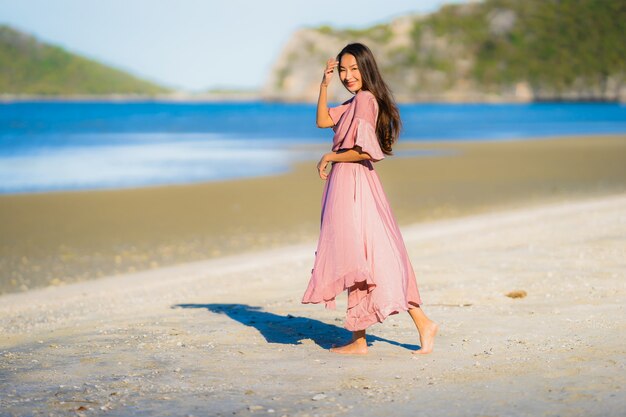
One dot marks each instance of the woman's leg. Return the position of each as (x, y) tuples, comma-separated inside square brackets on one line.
[(358, 346), (426, 328)]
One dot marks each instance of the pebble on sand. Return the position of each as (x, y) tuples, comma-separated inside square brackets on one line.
[(516, 294)]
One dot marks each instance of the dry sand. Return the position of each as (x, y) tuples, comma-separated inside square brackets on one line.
[(56, 238), (229, 336)]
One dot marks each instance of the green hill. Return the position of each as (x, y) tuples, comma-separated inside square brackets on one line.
[(31, 67), (555, 45), (501, 50)]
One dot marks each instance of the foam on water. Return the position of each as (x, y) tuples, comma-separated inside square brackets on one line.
[(179, 160)]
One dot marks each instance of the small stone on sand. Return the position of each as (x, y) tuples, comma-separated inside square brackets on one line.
[(517, 294)]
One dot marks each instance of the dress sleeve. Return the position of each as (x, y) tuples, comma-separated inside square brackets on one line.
[(362, 131), (336, 112)]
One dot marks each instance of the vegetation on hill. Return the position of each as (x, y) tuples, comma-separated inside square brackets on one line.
[(28, 66), (552, 44)]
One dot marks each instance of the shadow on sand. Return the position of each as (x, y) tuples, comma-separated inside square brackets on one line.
[(288, 329)]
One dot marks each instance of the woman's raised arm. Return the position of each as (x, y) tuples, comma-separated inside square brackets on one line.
[(323, 118)]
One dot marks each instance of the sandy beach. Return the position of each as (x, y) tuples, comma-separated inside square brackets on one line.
[(228, 336), (185, 300), (64, 237), (166, 233)]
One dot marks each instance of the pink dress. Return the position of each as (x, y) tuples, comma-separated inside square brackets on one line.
[(360, 247)]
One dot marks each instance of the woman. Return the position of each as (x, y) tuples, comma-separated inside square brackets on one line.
[(360, 248)]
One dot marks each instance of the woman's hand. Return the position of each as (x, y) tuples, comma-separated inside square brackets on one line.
[(331, 64), (355, 154), (321, 166)]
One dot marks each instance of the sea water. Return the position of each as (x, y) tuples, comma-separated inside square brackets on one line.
[(53, 146)]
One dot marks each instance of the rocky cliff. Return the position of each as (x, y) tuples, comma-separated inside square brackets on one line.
[(496, 50)]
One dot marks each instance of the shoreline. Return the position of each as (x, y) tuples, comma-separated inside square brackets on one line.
[(64, 237), (427, 148)]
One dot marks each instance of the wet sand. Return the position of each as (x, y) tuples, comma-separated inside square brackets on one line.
[(229, 337), (59, 238)]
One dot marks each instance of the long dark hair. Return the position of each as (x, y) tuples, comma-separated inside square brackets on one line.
[(388, 125)]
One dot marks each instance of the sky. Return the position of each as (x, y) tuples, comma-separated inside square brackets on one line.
[(193, 45)]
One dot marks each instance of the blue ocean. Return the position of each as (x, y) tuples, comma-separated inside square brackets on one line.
[(54, 146)]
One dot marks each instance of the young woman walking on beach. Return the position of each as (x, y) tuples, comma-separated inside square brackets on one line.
[(360, 247)]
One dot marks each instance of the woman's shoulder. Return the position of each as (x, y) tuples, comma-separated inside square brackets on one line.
[(364, 95), (365, 101)]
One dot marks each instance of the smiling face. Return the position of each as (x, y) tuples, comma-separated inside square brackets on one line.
[(349, 73)]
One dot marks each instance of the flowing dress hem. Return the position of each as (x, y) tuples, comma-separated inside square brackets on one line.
[(377, 315), (338, 286)]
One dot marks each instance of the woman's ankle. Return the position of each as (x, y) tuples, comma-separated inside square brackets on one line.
[(359, 334)]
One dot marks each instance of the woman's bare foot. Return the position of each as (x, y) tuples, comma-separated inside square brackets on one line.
[(358, 346), (427, 338), (354, 348), (426, 328)]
